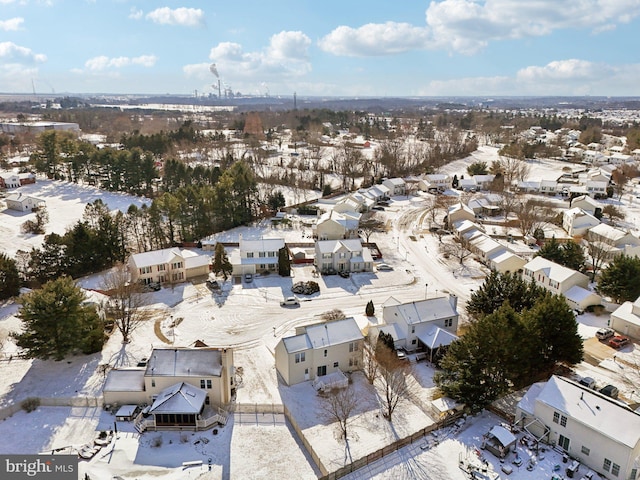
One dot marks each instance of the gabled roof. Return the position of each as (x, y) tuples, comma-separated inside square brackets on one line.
[(577, 294), (592, 409), (608, 232), (261, 245), (20, 197), (421, 311), (179, 398), (436, 337), (185, 362), (164, 256), (460, 207), (332, 246), (395, 181), (550, 269), (324, 335)]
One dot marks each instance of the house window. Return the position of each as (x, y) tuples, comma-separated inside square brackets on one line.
[(413, 329), (615, 469), (162, 267), (556, 417), (249, 254), (634, 473), (563, 421), (413, 342), (272, 254), (353, 362), (335, 364), (300, 357), (202, 384), (563, 442), (153, 382), (325, 353), (207, 401), (261, 254), (209, 384), (585, 451), (606, 466), (448, 322)]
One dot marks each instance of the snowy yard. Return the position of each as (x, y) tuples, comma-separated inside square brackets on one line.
[(248, 318)]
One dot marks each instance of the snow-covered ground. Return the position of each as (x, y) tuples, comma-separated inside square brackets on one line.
[(248, 317)]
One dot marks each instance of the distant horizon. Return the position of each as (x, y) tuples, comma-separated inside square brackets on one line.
[(377, 49)]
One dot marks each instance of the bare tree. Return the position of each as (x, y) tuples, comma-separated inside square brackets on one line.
[(394, 379), (457, 248), (126, 302), (599, 252), (613, 213), (621, 177), (370, 364), (533, 214), (338, 405), (331, 315), (512, 169), (369, 225)]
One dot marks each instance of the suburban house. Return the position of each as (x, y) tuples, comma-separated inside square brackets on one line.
[(561, 280), (504, 261), (603, 433), (167, 266), (23, 203), (548, 187), (435, 181), (9, 180), (597, 189), (318, 350), (612, 236), (349, 204), (458, 212), (587, 204), (335, 225), (377, 192), (255, 256), (396, 186), (577, 222), (465, 228), (468, 184), (424, 324), (334, 256), (626, 318), (489, 205), (484, 181), (182, 387), (483, 247)]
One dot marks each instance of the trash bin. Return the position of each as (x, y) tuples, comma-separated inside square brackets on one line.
[(565, 458)]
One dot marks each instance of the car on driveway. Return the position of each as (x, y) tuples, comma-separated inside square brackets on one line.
[(383, 267), (610, 391), (248, 277), (618, 341), (605, 333), (289, 302), (588, 382)]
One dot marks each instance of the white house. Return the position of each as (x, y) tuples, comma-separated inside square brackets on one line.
[(435, 181), (483, 247), (343, 256), (576, 221), (626, 318), (396, 186), (548, 187), (255, 256), (468, 184), (505, 261), (601, 432), (419, 323), (23, 203), (561, 280), (319, 350), (9, 180), (612, 236), (586, 203), (459, 212), (335, 225), (483, 181), (167, 265)]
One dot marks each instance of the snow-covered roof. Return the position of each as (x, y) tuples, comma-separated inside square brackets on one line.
[(421, 311), (395, 181), (626, 313), (334, 333), (504, 436), (551, 270), (460, 206), (167, 255), (185, 362), (486, 244), (394, 330), (330, 246), (592, 409), (436, 337), (179, 398), (609, 232), (21, 197), (261, 245), (578, 294), (125, 380)]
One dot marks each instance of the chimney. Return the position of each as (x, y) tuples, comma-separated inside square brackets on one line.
[(453, 300)]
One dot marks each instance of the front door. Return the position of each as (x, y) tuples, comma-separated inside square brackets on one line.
[(306, 374), (322, 370)]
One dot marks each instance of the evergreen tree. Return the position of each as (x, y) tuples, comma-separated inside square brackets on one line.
[(56, 323), (551, 250), (221, 263), (385, 341), (499, 288), (284, 262), (9, 277), (619, 280), (276, 200), (573, 256), (370, 309)]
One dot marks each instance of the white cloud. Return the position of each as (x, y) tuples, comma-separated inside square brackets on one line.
[(12, 24), (375, 39), (186, 17), (10, 51), (135, 13), (287, 55), (101, 63), (467, 26), (560, 77)]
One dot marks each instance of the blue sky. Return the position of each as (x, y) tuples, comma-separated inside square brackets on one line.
[(329, 47)]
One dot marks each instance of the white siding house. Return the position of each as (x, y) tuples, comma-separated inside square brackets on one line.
[(343, 256), (23, 203), (256, 256), (167, 265), (626, 318), (601, 432)]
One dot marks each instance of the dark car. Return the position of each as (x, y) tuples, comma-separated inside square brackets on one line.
[(610, 391), (618, 341), (344, 274)]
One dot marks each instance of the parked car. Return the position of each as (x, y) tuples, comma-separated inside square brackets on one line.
[(344, 274), (248, 277), (605, 333), (378, 209), (618, 341), (610, 391), (289, 301), (588, 382), (383, 267)]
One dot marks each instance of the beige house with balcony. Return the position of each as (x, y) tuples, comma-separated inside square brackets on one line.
[(170, 265), (333, 256), (318, 350)]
